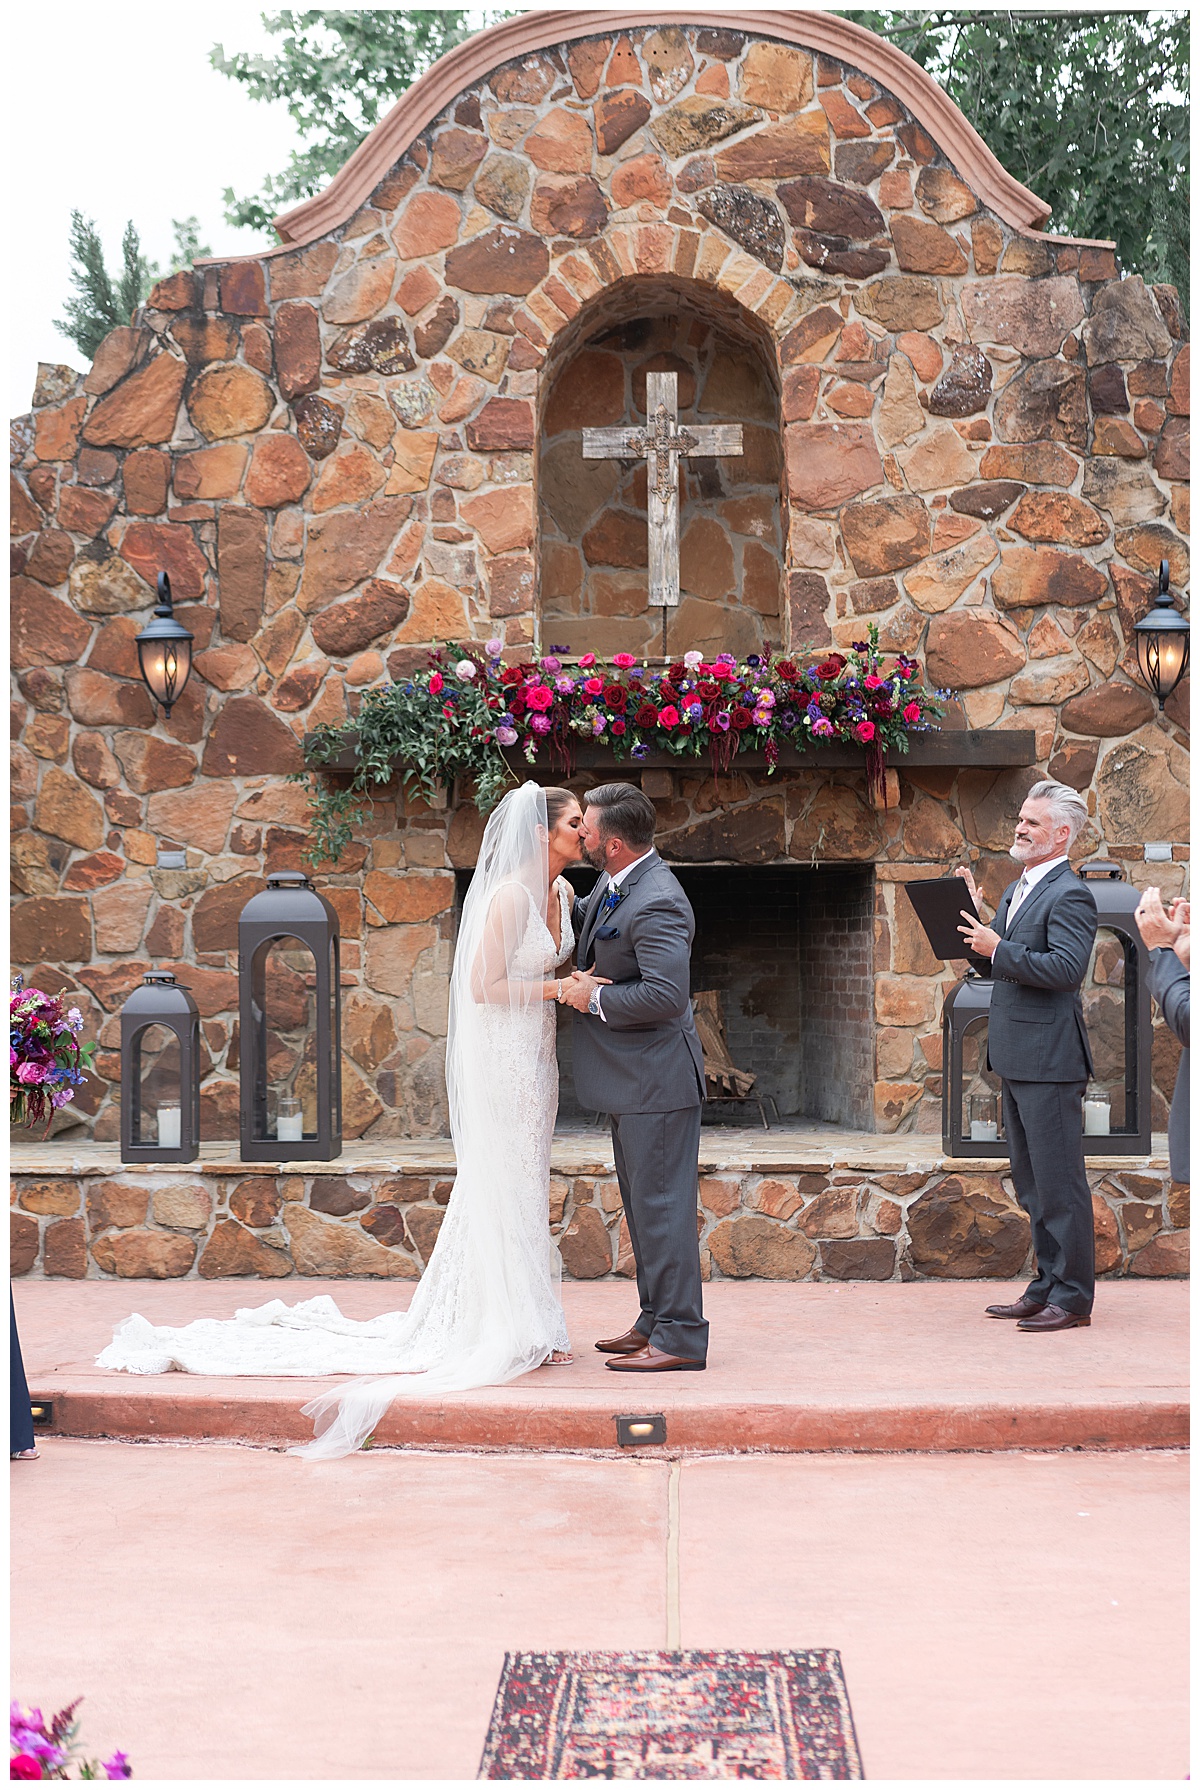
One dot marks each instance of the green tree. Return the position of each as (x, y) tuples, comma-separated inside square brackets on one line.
[(102, 301), (1089, 110), (337, 73)]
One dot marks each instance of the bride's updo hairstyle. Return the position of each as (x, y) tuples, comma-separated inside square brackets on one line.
[(625, 814)]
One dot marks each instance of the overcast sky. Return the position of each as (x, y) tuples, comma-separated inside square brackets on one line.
[(115, 111)]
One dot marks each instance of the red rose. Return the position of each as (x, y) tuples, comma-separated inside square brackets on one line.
[(647, 715), (865, 731), (831, 666), (618, 727), (511, 674), (912, 713), (740, 718), (708, 690), (667, 691), (516, 703), (24, 1765), (614, 696), (677, 671), (786, 670), (668, 717)]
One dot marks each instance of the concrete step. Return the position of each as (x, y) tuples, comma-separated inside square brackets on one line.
[(793, 1368)]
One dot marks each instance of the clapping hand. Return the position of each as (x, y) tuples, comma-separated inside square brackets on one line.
[(1157, 925)]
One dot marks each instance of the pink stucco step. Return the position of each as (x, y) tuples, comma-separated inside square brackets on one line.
[(792, 1368)]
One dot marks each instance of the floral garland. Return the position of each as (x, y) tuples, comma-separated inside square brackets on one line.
[(459, 717), (46, 1061)]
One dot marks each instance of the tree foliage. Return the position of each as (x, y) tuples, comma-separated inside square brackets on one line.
[(1089, 110), (337, 73), (101, 300)]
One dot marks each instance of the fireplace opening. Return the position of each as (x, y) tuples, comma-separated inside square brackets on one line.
[(789, 950)]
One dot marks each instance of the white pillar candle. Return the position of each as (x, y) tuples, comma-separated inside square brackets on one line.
[(984, 1131), (289, 1128), (1097, 1118), (170, 1133)]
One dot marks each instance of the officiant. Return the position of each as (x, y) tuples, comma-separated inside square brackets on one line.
[(1037, 952)]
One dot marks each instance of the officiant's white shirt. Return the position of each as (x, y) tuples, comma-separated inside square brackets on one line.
[(614, 881), (1030, 878)]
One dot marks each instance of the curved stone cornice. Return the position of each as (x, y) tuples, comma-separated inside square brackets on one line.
[(469, 62)]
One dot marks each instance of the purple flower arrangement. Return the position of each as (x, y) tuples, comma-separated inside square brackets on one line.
[(471, 706), (46, 1061), (48, 1749)]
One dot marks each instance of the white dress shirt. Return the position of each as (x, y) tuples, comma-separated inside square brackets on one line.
[(1031, 876), (614, 881)]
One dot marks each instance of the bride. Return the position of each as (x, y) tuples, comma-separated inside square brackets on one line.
[(487, 1308)]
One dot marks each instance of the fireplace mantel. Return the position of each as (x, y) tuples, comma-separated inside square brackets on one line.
[(952, 748)]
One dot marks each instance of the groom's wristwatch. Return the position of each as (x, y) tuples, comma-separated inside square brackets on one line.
[(594, 1003)]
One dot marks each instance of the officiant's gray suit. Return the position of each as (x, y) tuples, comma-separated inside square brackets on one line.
[(643, 1065), (1038, 1044)]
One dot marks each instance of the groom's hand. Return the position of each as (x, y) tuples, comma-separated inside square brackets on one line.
[(577, 989)]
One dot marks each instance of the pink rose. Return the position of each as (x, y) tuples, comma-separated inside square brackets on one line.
[(865, 731), (538, 696), (624, 661), (587, 659), (668, 717), (435, 684), (912, 712), (871, 682), (594, 686)]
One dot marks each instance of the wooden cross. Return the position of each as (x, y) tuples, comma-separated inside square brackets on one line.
[(661, 442)]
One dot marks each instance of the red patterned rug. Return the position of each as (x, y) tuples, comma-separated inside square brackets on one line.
[(672, 1715)]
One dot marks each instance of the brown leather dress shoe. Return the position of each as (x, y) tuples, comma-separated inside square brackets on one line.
[(1024, 1307), (1053, 1317), (632, 1343), (650, 1360)]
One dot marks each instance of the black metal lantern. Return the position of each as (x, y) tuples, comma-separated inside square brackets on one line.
[(160, 1072), (1162, 641), (289, 980), (1116, 1009), (165, 651)]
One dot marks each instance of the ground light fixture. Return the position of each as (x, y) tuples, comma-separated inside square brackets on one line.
[(1162, 642), (165, 651)]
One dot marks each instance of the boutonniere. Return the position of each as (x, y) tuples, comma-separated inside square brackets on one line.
[(613, 897)]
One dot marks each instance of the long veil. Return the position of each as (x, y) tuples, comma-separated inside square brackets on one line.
[(486, 1309)]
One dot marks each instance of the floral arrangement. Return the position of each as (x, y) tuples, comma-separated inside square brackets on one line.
[(459, 717), (42, 1749), (46, 1061)]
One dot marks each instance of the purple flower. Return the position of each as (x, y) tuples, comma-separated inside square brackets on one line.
[(61, 1098), (754, 661), (506, 736), (118, 1766), (823, 727), (721, 721), (494, 648), (695, 711), (564, 685), (34, 1072), (640, 750), (550, 664), (788, 720), (539, 724)]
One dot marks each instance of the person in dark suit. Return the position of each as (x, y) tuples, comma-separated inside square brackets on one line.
[(1038, 950), (21, 1446), (1167, 935), (638, 1058)]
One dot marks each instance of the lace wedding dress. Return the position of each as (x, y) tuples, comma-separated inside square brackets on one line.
[(487, 1308)]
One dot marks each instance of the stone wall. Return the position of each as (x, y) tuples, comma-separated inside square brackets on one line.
[(826, 1225), (333, 450)]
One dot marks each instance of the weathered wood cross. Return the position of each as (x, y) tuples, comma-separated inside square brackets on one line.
[(661, 442)]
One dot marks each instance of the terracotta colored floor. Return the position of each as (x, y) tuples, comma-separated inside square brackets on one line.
[(808, 1366), (237, 1613)]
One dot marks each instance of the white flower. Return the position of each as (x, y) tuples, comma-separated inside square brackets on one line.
[(465, 669), (693, 659)]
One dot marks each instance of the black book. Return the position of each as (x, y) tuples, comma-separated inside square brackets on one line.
[(939, 905)]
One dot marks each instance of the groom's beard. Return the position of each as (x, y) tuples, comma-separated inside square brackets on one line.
[(594, 855)]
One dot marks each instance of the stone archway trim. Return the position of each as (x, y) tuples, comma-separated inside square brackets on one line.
[(461, 67)]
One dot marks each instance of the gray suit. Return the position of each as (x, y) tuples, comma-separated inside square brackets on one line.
[(1038, 1044), (643, 1065), (1171, 984)]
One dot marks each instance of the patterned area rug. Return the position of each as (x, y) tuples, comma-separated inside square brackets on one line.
[(672, 1715)]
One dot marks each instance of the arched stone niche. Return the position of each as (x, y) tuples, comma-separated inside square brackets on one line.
[(592, 531)]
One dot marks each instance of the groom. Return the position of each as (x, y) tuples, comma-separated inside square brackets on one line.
[(637, 1058)]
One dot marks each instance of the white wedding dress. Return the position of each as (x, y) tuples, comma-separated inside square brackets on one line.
[(487, 1308)]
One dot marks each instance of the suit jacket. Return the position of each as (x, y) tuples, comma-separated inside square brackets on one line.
[(1036, 1030), (1171, 984), (644, 1056)]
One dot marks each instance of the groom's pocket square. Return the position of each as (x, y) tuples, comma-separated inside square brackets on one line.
[(608, 932)]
